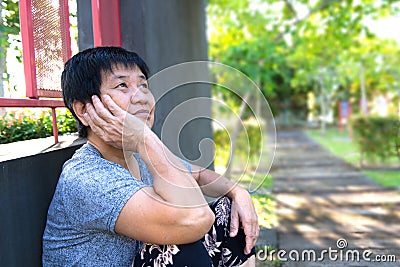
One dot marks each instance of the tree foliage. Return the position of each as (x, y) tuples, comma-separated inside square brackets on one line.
[(291, 47), (10, 21)]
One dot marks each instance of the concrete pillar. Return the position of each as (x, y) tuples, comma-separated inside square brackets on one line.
[(85, 24), (166, 33)]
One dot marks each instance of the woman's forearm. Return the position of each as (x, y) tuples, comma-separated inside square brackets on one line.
[(172, 181), (213, 184)]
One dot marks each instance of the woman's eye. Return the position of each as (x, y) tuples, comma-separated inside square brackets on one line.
[(121, 85), (144, 85)]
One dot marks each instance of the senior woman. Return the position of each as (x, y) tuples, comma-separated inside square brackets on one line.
[(110, 209)]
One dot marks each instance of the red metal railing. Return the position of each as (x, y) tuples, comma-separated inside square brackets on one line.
[(46, 45)]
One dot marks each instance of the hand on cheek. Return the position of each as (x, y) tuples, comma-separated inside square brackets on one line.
[(105, 122), (114, 125)]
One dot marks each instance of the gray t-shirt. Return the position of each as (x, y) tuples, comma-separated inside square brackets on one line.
[(89, 197)]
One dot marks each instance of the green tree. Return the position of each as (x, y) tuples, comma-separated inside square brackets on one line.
[(290, 47)]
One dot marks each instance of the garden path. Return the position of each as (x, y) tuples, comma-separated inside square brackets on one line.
[(323, 202)]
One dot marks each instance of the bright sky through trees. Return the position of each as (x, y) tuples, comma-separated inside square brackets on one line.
[(386, 28)]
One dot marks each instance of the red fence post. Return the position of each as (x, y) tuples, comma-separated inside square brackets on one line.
[(31, 15), (65, 31), (55, 128), (106, 23), (28, 52)]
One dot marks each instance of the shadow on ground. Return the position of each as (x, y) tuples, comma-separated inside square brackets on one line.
[(324, 204)]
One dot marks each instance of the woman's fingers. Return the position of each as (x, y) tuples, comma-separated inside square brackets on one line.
[(234, 227), (113, 124), (105, 115), (251, 231), (92, 117), (243, 208), (113, 107), (101, 111), (102, 121)]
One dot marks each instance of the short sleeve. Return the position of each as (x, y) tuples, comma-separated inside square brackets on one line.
[(95, 197), (186, 164)]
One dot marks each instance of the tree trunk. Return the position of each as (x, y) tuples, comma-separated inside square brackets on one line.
[(323, 105), (364, 109), (235, 133)]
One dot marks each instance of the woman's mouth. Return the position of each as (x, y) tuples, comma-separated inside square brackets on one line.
[(142, 113)]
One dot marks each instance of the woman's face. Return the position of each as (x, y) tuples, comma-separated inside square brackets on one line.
[(129, 89)]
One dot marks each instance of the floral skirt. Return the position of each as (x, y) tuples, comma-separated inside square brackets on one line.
[(217, 248)]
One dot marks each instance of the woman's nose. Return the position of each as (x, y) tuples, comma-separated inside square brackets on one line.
[(138, 96)]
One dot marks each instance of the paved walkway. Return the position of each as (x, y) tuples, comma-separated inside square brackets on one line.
[(323, 203)]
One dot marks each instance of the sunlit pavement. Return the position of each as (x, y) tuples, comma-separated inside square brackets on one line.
[(327, 207)]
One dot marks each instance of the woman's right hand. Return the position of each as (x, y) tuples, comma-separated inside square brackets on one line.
[(115, 126)]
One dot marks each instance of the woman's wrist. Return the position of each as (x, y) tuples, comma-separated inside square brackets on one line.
[(148, 143), (233, 193)]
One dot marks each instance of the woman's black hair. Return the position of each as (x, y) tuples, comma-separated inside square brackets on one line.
[(81, 78)]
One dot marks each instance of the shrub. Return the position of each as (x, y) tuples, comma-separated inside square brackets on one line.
[(376, 137), (34, 125), (248, 144)]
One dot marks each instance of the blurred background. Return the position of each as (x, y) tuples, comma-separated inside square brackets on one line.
[(327, 65), (328, 69)]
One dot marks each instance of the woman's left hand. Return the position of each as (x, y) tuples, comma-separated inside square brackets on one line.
[(243, 212)]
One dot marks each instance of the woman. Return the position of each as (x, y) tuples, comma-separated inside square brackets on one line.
[(124, 196)]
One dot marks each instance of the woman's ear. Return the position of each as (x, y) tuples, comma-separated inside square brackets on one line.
[(80, 109)]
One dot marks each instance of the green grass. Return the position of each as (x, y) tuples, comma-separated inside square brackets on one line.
[(341, 145), (255, 181), (385, 178), (265, 207), (338, 143)]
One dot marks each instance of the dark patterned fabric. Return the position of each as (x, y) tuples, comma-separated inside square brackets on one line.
[(216, 249)]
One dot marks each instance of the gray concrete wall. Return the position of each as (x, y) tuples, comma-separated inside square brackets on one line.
[(26, 188), (166, 33)]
